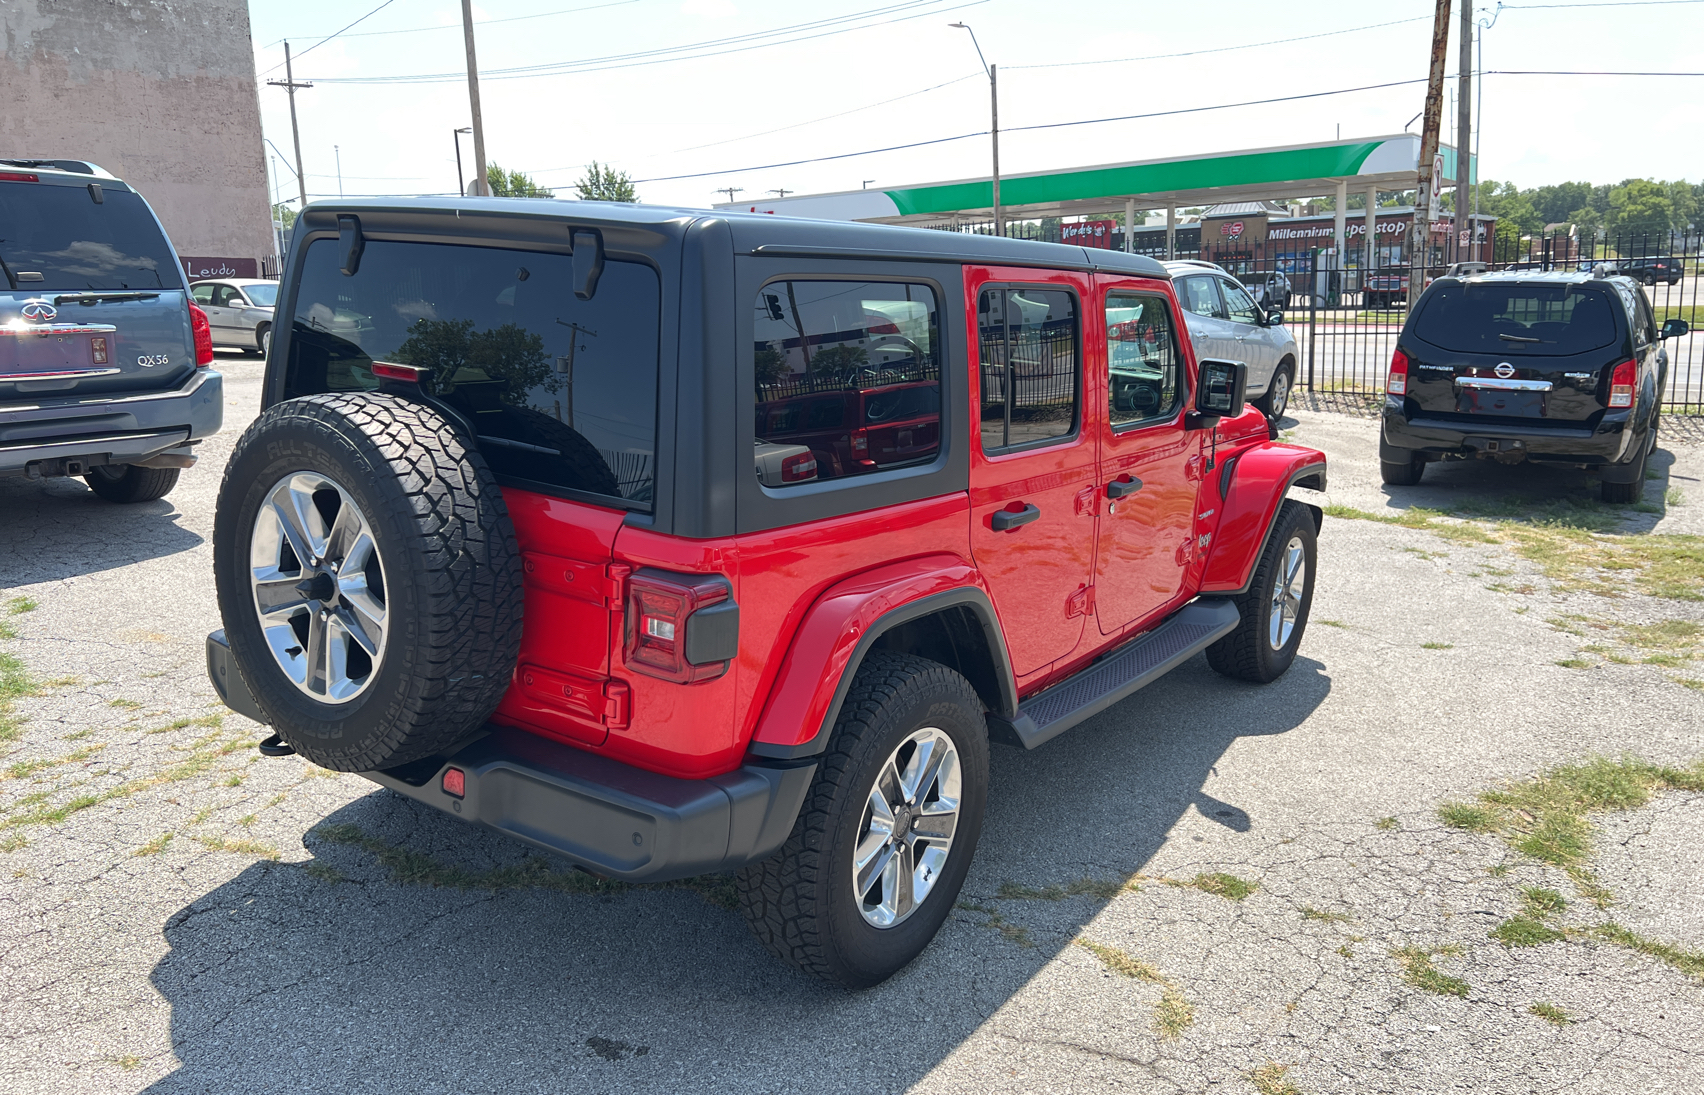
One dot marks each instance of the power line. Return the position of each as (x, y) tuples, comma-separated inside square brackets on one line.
[(1228, 49), (798, 32), (481, 22), (329, 37)]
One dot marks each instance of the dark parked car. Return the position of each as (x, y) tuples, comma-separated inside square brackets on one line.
[(1560, 368), (1386, 288), (103, 359), (1649, 271)]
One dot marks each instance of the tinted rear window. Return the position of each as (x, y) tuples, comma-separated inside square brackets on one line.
[(1545, 320), (58, 239), (563, 391)]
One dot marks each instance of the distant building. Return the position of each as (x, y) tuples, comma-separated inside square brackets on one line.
[(163, 95)]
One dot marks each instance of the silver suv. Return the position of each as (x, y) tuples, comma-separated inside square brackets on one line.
[(1225, 322)]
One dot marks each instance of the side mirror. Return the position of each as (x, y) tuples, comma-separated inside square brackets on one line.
[(1275, 318), (1219, 390), (1676, 328)]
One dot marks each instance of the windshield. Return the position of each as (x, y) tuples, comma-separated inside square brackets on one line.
[(265, 294), (57, 238), (1548, 320)]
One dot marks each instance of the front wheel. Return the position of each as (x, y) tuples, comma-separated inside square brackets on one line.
[(263, 340), (1275, 607), (1277, 398), (886, 835), (128, 483)]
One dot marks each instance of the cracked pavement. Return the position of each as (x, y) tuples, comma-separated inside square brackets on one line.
[(170, 922)]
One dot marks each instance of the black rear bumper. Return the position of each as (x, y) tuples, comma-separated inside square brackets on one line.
[(611, 818), (1613, 441)]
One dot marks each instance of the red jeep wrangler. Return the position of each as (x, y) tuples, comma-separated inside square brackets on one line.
[(501, 540)]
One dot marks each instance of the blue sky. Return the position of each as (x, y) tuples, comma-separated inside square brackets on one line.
[(727, 114)]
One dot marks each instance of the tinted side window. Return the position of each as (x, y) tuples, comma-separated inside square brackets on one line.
[(1199, 296), (1029, 341), (1239, 306), (563, 391), (848, 378), (57, 238), (1145, 376)]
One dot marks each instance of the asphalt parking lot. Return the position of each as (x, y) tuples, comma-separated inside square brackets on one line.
[(1211, 887)]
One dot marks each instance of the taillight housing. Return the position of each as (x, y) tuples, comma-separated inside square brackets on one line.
[(203, 336), (798, 469), (1622, 383), (1397, 382), (680, 627)]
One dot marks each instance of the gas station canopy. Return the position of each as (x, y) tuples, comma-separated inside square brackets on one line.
[(1355, 166)]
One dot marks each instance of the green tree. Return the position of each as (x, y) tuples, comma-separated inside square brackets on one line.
[(1557, 203), (603, 183), (1639, 208), (1512, 207), (513, 184), (459, 355), (1587, 220), (284, 215)]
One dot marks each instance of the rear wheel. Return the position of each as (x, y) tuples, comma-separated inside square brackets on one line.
[(369, 579), (1403, 473), (1626, 493), (877, 856), (1275, 608), (129, 483)]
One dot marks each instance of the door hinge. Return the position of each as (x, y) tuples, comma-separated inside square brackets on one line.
[(1086, 502), (1080, 603)]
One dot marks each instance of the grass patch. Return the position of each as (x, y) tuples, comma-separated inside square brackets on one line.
[(1524, 931), (1219, 884), (1540, 903), (1438, 646), (1090, 887), (155, 846), (324, 872), (1385, 824), (1417, 970), (241, 847), (1333, 623), (123, 703), (1546, 818), (20, 605), (1575, 663), (1550, 1013), (1015, 933), (1272, 1078), (1674, 497), (1311, 913), (1691, 963), (210, 722), (15, 684), (1689, 682), (13, 842), (1173, 1014)]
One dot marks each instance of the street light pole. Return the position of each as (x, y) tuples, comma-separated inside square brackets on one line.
[(994, 129), (461, 180), (480, 186)]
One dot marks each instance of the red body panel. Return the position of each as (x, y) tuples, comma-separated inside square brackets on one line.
[(809, 674), (1263, 473)]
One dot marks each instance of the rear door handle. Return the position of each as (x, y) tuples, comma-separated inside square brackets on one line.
[(1118, 488), (1006, 520)]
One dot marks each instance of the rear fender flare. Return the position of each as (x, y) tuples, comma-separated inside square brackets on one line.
[(842, 627), (1259, 478)]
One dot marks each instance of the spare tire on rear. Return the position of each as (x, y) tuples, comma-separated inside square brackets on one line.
[(369, 579)]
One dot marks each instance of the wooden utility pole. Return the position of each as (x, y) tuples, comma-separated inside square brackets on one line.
[(1419, 247), (1464, 133), (480, 185), (289, 84)]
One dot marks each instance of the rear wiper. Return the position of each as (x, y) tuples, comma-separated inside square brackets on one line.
[(92, 299), (1514, 338)]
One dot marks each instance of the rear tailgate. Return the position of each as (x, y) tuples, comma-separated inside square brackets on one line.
[(91, 296), (1536, 351)]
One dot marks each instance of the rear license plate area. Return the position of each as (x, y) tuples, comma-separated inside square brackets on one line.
[(1504, 403)]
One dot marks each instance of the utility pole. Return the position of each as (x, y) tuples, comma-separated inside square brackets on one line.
[(867, 183), (1464, 130), (777, 193), (1420, 244), (480, 185), (337, 155), (730, 191), (461, 180), (565, 366), (289, 84), (994, 128)]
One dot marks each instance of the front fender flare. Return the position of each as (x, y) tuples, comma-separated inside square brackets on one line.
[(839, 630), (1258, 480)]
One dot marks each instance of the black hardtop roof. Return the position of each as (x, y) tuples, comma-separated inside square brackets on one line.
[(765, 234)]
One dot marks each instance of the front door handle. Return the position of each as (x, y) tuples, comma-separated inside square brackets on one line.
[(1006, 520), (1118, 488)]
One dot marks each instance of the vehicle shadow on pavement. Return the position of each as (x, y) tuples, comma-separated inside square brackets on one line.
[(43, 516), (1533, 491), (341, 973)]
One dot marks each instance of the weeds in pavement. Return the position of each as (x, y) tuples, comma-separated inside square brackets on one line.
[(325, 872), (1417, 970), (155, 846), (1100, 889), (1524, 931), (1015, 933), (1551, 1014), (1271, 1078), (1333, 623), (1691, 963), (1540, 903), (1173, 1014), (1385, 824), (241, 847), (20, 605), (1311, 913), (1228, 886)]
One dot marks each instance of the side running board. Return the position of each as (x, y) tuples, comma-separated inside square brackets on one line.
[(1046, 715)]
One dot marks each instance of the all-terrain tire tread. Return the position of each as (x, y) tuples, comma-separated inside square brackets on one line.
[(137, 485)]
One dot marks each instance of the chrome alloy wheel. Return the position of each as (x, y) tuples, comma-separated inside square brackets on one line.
[(907, 829), (319, 587), (1287, 591), (1280, 393)]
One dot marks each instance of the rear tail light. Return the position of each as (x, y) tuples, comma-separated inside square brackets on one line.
[(797, 469), (1397, 384), (680, 627), (98, 350), (203, 337), (861, 443), (1621, 383)]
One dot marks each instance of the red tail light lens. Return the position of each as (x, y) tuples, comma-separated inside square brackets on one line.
[(1621, 384), (98, 350), (797, 469), (663, 638), (18, 176), (203, 337), (455, 782), (861, 443), (1397, 384)]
